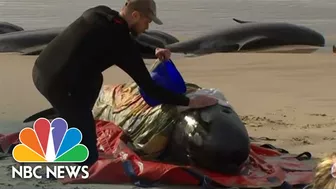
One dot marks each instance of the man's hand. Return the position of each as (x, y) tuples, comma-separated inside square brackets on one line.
[(162, 54)]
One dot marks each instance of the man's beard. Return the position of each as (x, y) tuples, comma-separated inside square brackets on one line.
[(133, 32)]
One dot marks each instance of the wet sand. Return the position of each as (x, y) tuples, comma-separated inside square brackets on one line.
[(288, 98)]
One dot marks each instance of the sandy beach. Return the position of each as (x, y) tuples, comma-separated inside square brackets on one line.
[(285, 96), (288, 98)]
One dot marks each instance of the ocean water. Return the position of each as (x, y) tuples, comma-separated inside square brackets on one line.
[(185, 18)]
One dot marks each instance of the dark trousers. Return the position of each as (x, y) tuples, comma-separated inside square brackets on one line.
[(75, 106)]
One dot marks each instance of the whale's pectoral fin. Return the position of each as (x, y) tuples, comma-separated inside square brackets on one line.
[(241, 21), (48, 114), (254, 42)]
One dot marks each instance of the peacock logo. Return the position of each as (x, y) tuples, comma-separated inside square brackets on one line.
[(50, 142)]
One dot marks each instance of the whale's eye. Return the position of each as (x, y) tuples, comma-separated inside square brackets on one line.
[(226, 110)]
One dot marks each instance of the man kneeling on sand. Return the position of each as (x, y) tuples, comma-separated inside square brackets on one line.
[(68, 72)]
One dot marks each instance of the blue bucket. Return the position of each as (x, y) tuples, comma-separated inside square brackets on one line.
[(167, 76)]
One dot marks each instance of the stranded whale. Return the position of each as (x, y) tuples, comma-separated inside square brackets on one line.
[(6, 27), (249, 36), (32, 42)]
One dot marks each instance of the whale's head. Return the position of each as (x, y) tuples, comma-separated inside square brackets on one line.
[(213, 138)]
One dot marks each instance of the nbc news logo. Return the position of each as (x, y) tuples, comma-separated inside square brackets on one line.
[(50, 143)]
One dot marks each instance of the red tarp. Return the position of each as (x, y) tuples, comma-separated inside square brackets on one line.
[(265, 168)]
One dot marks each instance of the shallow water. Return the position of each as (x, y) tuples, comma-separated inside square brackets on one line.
[(181, 17)]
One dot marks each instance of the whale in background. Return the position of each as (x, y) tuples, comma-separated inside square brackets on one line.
[(249, 36), (6, 27)]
